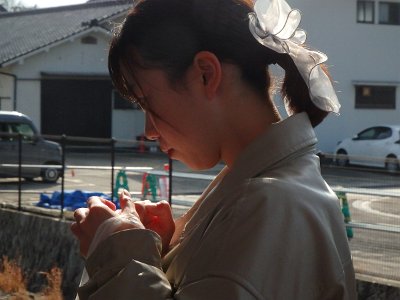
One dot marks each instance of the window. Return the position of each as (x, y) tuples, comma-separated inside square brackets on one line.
[(24, 129), (383, 133), (9, 131), (367, 134), (4, 132), (121, 103), (375, 133), (374, 96), (365, 11), (389, 13)]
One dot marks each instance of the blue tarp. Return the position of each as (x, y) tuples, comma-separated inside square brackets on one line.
[(72, 199)]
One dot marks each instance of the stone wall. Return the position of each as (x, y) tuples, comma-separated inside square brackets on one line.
[(40, 243)]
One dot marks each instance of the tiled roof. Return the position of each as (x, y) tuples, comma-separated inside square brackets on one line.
[(27, 31)]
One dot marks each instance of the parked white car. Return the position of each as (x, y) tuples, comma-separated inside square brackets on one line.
[(377, 146)]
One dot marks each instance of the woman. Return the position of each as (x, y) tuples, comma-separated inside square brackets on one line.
[(268, 227)]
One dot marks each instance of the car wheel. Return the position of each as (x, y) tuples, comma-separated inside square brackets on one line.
[(50, 175), (392, 164), (342, 159)]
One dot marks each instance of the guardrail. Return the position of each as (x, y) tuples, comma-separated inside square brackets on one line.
[(63, 140)]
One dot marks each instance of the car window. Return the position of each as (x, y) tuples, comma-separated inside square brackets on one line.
[(367, 134), (383, 133), (375, 133), (5, 132), (24, 129)]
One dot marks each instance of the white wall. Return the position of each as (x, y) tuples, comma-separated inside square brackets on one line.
[(127, 124), (6, 91), (69, 57)]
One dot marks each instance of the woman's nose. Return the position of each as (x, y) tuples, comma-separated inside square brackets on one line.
[(150, 129)]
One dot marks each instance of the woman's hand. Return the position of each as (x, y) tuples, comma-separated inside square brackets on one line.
[(154, 216), (133, 215), (88, 220)]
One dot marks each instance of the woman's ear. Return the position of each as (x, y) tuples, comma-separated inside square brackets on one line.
[(210, 70)]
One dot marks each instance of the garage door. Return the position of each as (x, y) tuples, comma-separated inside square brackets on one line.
[(76, 107)]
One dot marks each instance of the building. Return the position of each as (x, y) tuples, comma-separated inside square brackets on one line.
[(53, 65), (362, 40)]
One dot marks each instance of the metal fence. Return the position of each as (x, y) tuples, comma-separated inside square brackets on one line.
[(373, 196), (96, 144)]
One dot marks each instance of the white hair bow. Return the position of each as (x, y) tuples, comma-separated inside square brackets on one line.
[(275, 25)]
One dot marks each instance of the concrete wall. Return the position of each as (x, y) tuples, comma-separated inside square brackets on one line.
[(41, 243)]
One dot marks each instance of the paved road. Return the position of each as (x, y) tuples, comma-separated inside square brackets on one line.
[(376, 253)]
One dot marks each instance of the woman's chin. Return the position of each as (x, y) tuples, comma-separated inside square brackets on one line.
[(198, 165)]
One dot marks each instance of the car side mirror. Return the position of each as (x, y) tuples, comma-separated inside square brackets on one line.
[(355, 137)]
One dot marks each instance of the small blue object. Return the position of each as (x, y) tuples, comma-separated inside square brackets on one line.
[(72, 199)]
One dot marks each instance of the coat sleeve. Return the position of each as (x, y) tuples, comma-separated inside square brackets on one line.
[(127, 265)]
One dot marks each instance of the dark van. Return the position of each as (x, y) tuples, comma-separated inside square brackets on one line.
[(36, 151)]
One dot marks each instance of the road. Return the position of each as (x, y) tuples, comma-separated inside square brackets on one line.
[(374, 198)]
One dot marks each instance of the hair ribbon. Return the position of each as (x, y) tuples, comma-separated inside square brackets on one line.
[(274, 24)]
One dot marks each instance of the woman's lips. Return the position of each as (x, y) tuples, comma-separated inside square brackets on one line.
[(165, 150)]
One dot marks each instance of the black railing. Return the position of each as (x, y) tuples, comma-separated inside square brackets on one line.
[(108, 144)]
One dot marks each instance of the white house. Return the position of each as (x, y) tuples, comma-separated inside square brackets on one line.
[(362, 41), (53, 66)]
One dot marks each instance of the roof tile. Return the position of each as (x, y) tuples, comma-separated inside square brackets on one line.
[(27, 31)]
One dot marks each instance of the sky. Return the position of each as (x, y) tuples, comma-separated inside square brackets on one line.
[(50, 3)]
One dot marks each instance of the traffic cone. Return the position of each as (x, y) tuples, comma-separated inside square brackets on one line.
[(346, 212), (149, 186), (121, 182)]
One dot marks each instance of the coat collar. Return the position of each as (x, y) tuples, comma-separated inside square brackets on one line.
[(278, 142)]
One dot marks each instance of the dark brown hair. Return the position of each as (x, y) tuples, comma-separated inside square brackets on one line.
[(167, 34)]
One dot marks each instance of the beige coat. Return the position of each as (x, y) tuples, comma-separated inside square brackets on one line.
[(271, 228)]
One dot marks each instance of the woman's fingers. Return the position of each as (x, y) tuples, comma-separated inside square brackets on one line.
[(87, 220), (133, 214), (158, 217), (110, 204), (123, 196), (84, 240), (80, 214)]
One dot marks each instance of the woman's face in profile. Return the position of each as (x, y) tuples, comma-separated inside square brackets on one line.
[(179, 117)]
